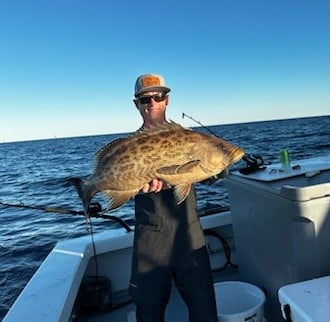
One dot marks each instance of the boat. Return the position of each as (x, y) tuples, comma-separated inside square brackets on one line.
[(274, 236)]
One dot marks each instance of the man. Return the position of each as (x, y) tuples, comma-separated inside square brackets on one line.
[(169, 241)]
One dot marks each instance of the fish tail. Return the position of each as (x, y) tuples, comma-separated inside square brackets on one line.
[(83, 194)]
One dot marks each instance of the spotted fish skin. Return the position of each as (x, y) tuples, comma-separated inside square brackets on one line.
[(179, 156)]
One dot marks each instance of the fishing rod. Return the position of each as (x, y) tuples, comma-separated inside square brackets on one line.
[(254, 162), (45, 209), (94, 210)]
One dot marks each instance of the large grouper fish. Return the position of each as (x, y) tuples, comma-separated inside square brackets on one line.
[(176, 155)]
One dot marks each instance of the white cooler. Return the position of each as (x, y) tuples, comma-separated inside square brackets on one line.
[(307, 301), (281, 224)]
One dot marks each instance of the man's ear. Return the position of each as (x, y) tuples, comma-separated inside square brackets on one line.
[(136, 102)]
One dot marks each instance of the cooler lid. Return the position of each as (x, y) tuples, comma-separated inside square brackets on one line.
[(306, 193), (308, 167), (309, 301), (306, 180)]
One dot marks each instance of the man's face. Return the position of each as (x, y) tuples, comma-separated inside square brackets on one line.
[(152, 105)]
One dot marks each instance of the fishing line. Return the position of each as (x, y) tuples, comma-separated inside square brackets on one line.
[(203, 126), (90, 229)]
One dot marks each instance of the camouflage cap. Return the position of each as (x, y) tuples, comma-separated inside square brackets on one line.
[(150, 83)]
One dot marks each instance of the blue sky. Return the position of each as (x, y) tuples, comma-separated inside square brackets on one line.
[(68, 67)]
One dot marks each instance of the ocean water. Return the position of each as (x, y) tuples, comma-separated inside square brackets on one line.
[(35, 174)]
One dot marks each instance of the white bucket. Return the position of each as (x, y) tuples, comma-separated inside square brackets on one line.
[(239, 302)]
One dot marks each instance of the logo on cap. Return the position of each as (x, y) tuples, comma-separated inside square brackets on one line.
[(151, 81)]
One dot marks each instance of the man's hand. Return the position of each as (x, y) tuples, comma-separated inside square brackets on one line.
[(155, 185)]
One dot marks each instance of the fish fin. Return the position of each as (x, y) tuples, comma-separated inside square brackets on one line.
[(189, 166), (118, 198), (111, 146), (83, 194), (181, 192), (159, 128), (181, 168)]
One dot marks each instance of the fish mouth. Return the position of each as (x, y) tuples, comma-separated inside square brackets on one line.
[(236, 155)]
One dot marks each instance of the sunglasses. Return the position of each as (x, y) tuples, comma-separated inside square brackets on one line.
[(159, 97)]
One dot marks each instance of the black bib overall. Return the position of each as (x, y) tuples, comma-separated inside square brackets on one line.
[(169, 245)]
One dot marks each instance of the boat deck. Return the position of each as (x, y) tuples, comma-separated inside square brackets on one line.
[(176, 310)]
